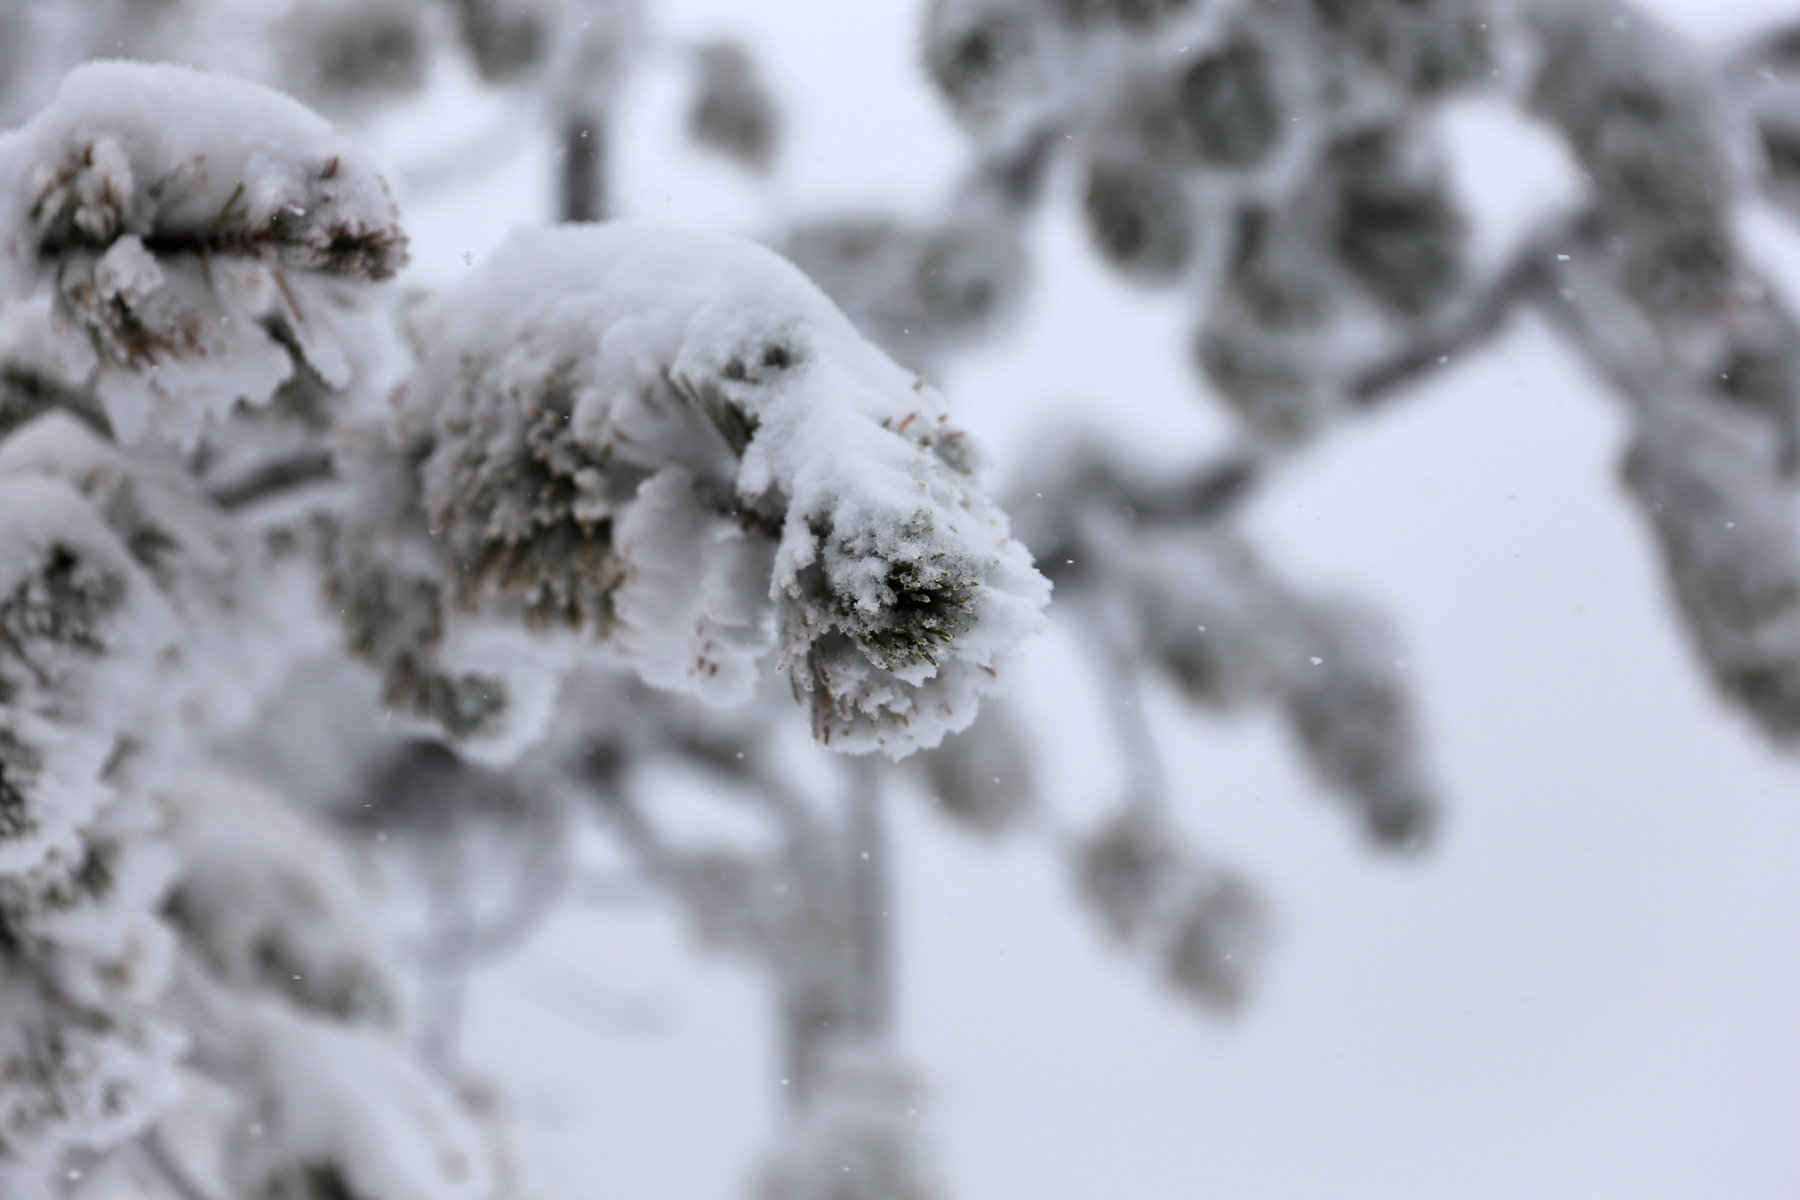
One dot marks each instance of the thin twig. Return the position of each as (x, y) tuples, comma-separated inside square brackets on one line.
[(1212, 492), (1469, 326), (283, 475), (1146, 782)]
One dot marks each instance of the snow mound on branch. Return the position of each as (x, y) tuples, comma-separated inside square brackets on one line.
[(192, 227), (676, 443)]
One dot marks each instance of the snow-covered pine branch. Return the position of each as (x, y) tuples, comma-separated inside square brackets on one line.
[(668, 451), (668, 444), (130, 637), (184, 223), (84, 1058), (1161, 564), (1655, 288), (170, 245), (1281, 162), (673, 443)]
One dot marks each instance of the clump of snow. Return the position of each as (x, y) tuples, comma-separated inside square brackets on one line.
[(177, 216), (675, 443)]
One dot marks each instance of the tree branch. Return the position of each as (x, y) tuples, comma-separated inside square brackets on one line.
[(583, 196), (1469, 326), (867, 846), (271, 479)]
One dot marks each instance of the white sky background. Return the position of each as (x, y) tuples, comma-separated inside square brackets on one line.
[(1588, 991)]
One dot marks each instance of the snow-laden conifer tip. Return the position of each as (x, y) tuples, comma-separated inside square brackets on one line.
[(676, 443), (181, 220)]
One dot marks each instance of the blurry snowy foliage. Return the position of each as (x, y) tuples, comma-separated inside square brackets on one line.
[(324, 618), (619, 449), (1202, 924), (733, 111), (1279, 163)]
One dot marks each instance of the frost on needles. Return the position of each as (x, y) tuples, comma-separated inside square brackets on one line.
[(190, 228), (675, 443), (170, 243), (83, 1057)]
